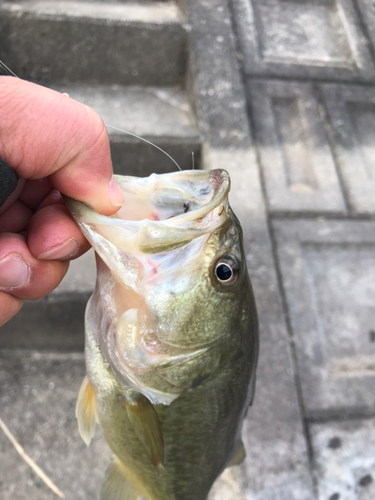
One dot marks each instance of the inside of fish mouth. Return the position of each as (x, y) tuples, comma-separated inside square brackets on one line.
[(162, 204)]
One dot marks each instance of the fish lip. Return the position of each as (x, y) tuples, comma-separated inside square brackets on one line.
[(218, 178)]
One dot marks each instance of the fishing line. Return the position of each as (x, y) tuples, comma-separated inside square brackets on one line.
[(8, 69), (148, 142), (10, 72)]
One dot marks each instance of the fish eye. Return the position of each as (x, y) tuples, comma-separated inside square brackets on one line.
[(227, 270)]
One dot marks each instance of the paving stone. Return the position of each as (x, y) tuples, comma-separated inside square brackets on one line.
[(328, 273), (37, 400), (320, 39), (102, 42), (344, 459), (367, 8), (351, 111), (218, 89), (298, 167)]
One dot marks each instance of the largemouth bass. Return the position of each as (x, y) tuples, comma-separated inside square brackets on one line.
[(171, 336)]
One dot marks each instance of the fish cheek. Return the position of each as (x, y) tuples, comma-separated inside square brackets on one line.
[(196, 318)]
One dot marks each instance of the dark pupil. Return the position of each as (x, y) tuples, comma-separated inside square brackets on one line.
[(223, 272)]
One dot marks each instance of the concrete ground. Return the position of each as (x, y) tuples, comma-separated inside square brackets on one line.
[(283, 96)]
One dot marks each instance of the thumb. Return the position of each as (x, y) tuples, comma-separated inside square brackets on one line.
[(46, 134)]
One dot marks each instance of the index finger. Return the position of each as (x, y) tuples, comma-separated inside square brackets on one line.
[(45, 133)]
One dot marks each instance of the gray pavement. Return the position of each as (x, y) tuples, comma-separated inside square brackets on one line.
[(281, 94)]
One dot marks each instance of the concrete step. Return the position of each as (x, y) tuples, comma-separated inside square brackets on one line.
[(105, 42), (163, 116)]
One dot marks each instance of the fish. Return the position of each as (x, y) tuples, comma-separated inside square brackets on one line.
[(171, 336)]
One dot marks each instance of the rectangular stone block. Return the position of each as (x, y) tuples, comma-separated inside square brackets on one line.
[(367, 8), (101, 42), (298, 167), (344, 460), (351, 111), (328, 274), (320, 39)]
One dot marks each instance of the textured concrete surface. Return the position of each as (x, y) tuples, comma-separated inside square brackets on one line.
[(101, 42), (328, 271), (367, 8), (310, 39), (169, 112), (351, 112), (344, 459), (298, 146), (37, 400), (298, 166)]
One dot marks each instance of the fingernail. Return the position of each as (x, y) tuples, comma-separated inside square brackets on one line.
[(14, 271), (60, 252), (115, 194)]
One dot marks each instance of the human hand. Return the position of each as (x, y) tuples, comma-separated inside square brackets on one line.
[(54, 144)]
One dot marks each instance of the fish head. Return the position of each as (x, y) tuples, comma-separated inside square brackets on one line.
[(172, 286)]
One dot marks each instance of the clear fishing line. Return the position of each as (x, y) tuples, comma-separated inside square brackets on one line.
[(148, 142), (8, 69)]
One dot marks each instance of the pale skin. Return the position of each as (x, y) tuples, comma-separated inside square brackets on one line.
[(55, 145)]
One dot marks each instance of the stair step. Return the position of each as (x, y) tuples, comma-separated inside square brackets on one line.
[(161, 115), (104, 42), (157, 12)]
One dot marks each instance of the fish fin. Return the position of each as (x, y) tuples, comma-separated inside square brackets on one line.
[(239, 455), (147, 427), (86, 411), (116, 485)]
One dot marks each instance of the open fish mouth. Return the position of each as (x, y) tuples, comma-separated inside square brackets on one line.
[(155, 255), (161, 212)]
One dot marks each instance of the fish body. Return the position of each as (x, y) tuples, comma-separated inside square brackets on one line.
[(171, 336)]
